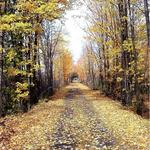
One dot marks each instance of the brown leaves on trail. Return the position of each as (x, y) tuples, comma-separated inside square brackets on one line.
[(37, 126), (6, 130), (30, 130), (59, 94), (91, 121), (128, 128)]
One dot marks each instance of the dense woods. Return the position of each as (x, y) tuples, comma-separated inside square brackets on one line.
[(74, 74), (117, 50), (33, 54), (35, 61)]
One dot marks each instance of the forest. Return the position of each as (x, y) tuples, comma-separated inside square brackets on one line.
[(34, 58), (41, 83), (116, 54)]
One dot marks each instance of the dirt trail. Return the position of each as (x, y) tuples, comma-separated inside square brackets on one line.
[(76, 119), (71, 126)]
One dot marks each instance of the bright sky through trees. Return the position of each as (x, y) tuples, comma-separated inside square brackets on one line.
[(74, 24)]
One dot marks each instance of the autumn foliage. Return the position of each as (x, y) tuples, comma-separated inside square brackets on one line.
[(30, 32), (116, 54)]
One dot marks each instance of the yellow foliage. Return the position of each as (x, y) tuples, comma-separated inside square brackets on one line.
[(12, 71), (67, 64), (22, 91), (11, 54)]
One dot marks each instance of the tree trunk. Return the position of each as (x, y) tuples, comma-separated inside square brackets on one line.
[(1, 76), (51, 79), (135, 53), (147, 18), (34, 90), (125, 55), (147, 21), (2, 34)]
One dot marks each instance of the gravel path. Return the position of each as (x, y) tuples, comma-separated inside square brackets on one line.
[(79, 127)]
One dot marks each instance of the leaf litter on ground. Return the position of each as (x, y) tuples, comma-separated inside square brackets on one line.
[(34, 130)]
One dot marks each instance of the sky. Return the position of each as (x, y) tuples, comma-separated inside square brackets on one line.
[(75, 33)]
